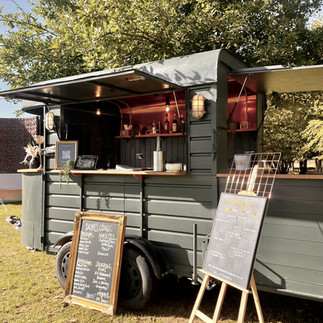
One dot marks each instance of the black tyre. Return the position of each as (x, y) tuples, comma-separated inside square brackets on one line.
[(135, 281), (62, 260)]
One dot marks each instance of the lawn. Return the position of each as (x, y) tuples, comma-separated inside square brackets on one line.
[(30, 292)]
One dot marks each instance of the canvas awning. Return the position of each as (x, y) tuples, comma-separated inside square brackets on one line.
[(281, 79)]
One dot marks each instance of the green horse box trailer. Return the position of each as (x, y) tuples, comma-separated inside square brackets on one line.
[(202, 109)]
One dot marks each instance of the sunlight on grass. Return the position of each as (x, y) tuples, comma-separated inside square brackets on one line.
[(30, 292)]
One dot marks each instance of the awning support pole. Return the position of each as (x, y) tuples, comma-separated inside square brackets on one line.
[(237, 101)]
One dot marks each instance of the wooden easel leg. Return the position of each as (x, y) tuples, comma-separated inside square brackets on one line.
[(256, 299), (199, 297), (219, 302), (243, 307)]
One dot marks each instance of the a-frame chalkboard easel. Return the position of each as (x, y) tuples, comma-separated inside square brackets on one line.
[(218, 307), (236, 231)]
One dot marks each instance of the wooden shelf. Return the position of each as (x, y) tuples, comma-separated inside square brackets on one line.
[(243, 130), (177, 134)]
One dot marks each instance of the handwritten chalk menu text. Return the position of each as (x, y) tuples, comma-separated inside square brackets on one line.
[(234, 238), (96, 261), (95, 258)]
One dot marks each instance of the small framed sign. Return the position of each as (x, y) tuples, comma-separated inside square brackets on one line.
[(86, 162), (65, 150)]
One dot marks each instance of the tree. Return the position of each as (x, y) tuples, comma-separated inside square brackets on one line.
[(292, 126), (65, 37), (313, 134)]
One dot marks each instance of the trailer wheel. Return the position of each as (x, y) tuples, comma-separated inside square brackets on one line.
[(135, 281), (62, 260)]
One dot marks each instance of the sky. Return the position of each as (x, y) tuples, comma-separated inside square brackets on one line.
[(7, 108)]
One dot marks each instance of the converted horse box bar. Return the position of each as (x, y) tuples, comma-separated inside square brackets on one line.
[(118, 115)]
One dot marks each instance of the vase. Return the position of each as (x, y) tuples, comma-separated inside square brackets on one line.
[(34, 163)]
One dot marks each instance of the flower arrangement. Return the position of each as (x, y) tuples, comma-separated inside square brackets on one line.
[(33, 153)]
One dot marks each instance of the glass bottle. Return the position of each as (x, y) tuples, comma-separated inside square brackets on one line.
[(153, 127), (166, 124), (174, 124), (182, 124)]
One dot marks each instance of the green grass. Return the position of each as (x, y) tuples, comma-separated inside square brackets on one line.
[(30, 292)]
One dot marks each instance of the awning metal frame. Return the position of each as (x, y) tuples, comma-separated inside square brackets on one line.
[(35, 92)]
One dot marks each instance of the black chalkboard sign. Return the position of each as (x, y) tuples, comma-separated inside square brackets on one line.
[(86, 162), (65, 150), (94, 268), (234, 239)]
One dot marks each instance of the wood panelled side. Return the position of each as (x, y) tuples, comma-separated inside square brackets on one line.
[(114, 194), (240, 142), (173, 147), (62, 203), (201, 135), (172, 209)]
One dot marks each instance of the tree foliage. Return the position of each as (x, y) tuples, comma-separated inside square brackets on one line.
[(313, 132), (65, 37), (292, 125)]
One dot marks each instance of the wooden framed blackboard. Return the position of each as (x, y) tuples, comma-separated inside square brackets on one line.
[(95, 263), (234, 239), (65, 150)]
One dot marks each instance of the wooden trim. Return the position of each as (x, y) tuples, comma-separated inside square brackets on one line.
[(137, 174), (225, 281), (219, 303), (30, 170)]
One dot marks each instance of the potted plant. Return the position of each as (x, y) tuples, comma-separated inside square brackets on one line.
[(65, 172)]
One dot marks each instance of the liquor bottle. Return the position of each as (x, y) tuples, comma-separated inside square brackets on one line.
[(166, 124), (174, 124), (182, 124)]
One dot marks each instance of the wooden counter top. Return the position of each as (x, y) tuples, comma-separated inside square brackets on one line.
[(137, 174), (30, 170), (285, 176)]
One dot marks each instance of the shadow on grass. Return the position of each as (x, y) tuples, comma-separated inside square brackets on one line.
[(176, 299)]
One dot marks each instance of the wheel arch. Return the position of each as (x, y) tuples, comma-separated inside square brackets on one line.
[(68, 236), (145, 247), (149, 251)]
